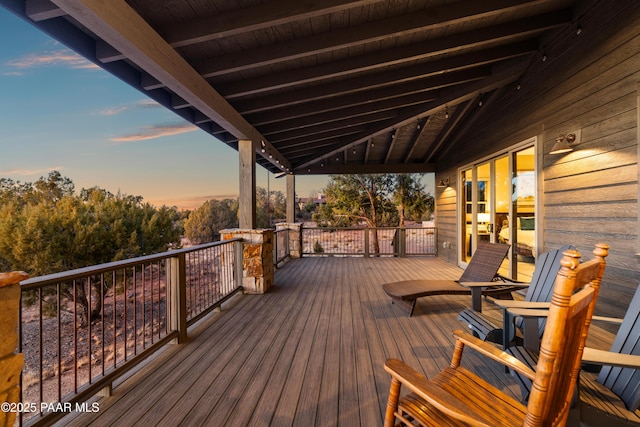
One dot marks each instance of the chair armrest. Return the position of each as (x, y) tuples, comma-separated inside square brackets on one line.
[(603, 357), (489, 284), (615, 320), (420, 385), (478, 284), (506, 279), (538, 309), (528, 312), (494, 353), (521, 304)]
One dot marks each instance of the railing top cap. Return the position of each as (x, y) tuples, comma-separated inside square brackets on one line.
[(100, 268), (11, 278)]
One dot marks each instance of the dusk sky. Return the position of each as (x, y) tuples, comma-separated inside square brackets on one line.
[(61, 112)]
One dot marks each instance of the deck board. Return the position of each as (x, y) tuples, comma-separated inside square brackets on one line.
[(309, 352)]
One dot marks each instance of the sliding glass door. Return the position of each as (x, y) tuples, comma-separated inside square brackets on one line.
[(498, 205)]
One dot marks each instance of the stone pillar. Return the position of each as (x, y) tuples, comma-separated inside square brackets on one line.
[(257, 258), (10, 362), (295, 237)]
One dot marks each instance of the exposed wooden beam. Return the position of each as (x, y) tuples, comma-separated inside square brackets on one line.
[(454, 120), (178, 102), (348, 111), (421, 125), (342, 169), (367, 150), (40, 10), (392, 143), (370, 100), (148, 82), (106, 53), (277, 132), (408, 114), (332, 133), (121, 27), (469, 118), (264, 84), (353, 91), (256, 17), (342, 38), (311, 131)]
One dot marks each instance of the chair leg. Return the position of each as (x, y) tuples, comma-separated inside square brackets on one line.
[(407, 305), (392, 403)]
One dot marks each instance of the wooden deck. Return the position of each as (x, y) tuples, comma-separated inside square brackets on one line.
[(309, 352)]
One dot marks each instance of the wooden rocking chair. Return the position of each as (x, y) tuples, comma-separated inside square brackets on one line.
[(611, 397), (457, 397), (482, 270)]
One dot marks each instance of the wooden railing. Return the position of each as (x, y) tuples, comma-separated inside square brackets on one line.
[(82, 329), (391, 241)]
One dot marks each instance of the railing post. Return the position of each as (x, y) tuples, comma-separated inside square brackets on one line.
[(275, 250), (403, 243), (239, 263), (10, 362), (366, 242), (178, 288)]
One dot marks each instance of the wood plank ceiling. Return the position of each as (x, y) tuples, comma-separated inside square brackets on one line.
[(331, 86)]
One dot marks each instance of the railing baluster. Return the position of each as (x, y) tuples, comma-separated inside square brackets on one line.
[(165, 301), (59, 327)]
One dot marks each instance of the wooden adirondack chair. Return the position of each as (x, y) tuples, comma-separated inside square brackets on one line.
[(611, 397), (483, 269), (540, 290), (456, 396)]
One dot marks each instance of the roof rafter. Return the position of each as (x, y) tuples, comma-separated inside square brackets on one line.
[(427, 19), (260, 16), (278, 81), (414, 140), (408, 114), (358, 92)]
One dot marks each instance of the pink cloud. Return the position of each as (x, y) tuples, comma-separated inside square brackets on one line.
[(153, 132), (145, 103), (29, 172), (50, 58)]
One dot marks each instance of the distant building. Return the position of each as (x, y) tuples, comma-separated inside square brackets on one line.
[(318, 199)]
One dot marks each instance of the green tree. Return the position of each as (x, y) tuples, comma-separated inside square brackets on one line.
[(46, 228), (353, 199), (269, 209), (204, 224), (410, 198)]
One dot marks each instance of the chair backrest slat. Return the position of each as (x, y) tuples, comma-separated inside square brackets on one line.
[(544, 276), (485, 262), (625, 382)]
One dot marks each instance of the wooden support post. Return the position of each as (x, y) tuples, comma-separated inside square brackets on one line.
[(291, 198), (247, 176), (366, 242), (178, 288), (403, 243)]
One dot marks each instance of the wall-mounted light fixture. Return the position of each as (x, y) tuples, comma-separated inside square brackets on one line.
[(444, 183), (565, 143)]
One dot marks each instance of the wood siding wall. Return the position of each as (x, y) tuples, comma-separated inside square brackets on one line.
[(591, 194)]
